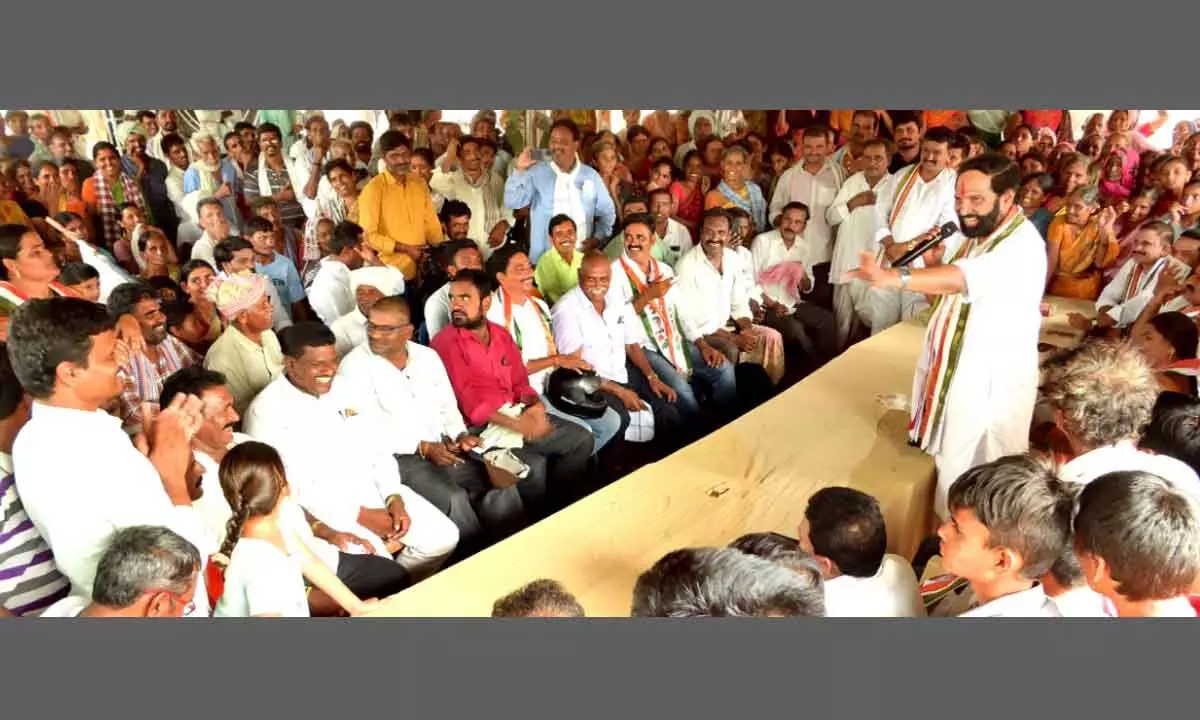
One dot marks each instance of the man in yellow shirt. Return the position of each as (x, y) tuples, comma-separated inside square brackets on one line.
[(396, 211)]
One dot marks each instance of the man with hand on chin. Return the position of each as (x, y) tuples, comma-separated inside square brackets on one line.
[(976, 381)]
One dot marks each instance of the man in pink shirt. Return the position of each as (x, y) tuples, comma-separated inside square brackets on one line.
[(488, 374)]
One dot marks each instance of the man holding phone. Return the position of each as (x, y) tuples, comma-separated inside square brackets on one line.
[(560, 185)]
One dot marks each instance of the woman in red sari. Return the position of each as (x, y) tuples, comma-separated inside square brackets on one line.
[(689, 192)]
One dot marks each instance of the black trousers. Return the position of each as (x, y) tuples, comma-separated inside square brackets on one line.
[(371, 576)]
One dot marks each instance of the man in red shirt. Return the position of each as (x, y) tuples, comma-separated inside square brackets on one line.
[(487, 372)]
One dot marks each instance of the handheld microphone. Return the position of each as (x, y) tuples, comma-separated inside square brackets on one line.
[(943, 232)]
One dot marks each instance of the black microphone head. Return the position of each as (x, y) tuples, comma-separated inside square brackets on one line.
[(948, 229)]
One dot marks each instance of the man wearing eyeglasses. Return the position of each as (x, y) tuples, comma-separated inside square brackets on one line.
[(145, 572), (406, 386)]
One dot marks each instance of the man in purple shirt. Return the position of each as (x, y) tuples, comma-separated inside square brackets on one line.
[(487, 373)]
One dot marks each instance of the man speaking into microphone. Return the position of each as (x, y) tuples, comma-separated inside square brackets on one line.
[(976, 382)]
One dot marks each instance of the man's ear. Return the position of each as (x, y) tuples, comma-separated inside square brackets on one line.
[(67, 374)]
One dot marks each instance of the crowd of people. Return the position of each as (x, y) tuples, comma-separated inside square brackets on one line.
[(252, 376)]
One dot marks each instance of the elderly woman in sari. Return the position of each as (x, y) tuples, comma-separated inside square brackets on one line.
[(1079, 245), (209, 176), (736, 191), (107, 190), (1071, 175)]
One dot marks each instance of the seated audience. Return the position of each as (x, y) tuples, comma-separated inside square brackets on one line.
[(64, 352), (538, 599), (405, 386), (1124, 298), (279, 269), (779, 549), (83, 279), (1168, 342), (844, 530), (145, 572), (1138, 540), (247, 353), (269, 561), (359, 491), (724, 582), (1010, 520), (492, 386), (1102, 395), (367, 284), (235, 256), (1080, 244), (143, 372)]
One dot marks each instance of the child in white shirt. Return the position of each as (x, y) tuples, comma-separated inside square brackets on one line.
[(1138, 541), (845, 532), (1010, 520), (268, 562)]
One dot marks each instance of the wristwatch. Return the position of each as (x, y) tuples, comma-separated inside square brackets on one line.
[(905, 275)]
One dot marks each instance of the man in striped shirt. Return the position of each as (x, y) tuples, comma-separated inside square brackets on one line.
[(144, 372), (29, 580)]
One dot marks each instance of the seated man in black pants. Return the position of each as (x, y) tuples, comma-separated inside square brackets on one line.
[(405, 387), (490, 381)]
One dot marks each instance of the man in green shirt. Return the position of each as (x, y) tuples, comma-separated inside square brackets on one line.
[(558, 271)]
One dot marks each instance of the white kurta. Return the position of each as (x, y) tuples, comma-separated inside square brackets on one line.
[(990, 399), (927, 205), (818, 193), (1126, 312), (711, 297), (768, 250), (855, 235)]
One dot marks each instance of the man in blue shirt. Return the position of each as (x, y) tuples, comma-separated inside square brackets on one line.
[(561, 185), (282, 271)]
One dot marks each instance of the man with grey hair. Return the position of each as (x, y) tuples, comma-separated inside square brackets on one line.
[(724, 582), (1102, 396), (539, 599), (146, 571), (1138, 541)]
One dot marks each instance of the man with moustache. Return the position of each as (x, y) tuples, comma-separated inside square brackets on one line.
[(906, 131), (362, 137), (150, 174), (143, 372), (909, 208), (864, 126), (976, 382)]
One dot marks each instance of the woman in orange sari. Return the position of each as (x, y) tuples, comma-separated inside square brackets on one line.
[(1079, 245), (1072, 174)]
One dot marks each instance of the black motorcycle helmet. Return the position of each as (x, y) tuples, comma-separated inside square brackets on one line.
[(576, 393)]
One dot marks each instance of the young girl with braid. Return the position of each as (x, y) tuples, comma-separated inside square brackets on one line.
[(268, 559)]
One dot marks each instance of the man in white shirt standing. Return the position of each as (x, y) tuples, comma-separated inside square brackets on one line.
[(458, 255), (338, 463), (404, 387), (671, 234), (844, 530), (712, 291), (976, 381), (783, 262), (528, 320), (1102, 396), (1009, 521), (814, 181), (853, 214), (909, 207), (306, 159), (330, 294), (66, 355)]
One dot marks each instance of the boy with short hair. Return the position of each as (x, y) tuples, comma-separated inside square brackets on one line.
[(1138, 541), (281, 271), (1010, 520), (83, 279), (844, 530)]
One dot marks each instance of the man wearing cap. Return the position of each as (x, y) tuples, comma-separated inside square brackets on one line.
[(367, 285), (247, 353)]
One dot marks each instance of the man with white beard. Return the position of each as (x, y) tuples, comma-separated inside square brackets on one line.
[(853, 214), (976, 381)]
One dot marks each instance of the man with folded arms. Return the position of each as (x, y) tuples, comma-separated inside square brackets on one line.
[(404, 387)]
